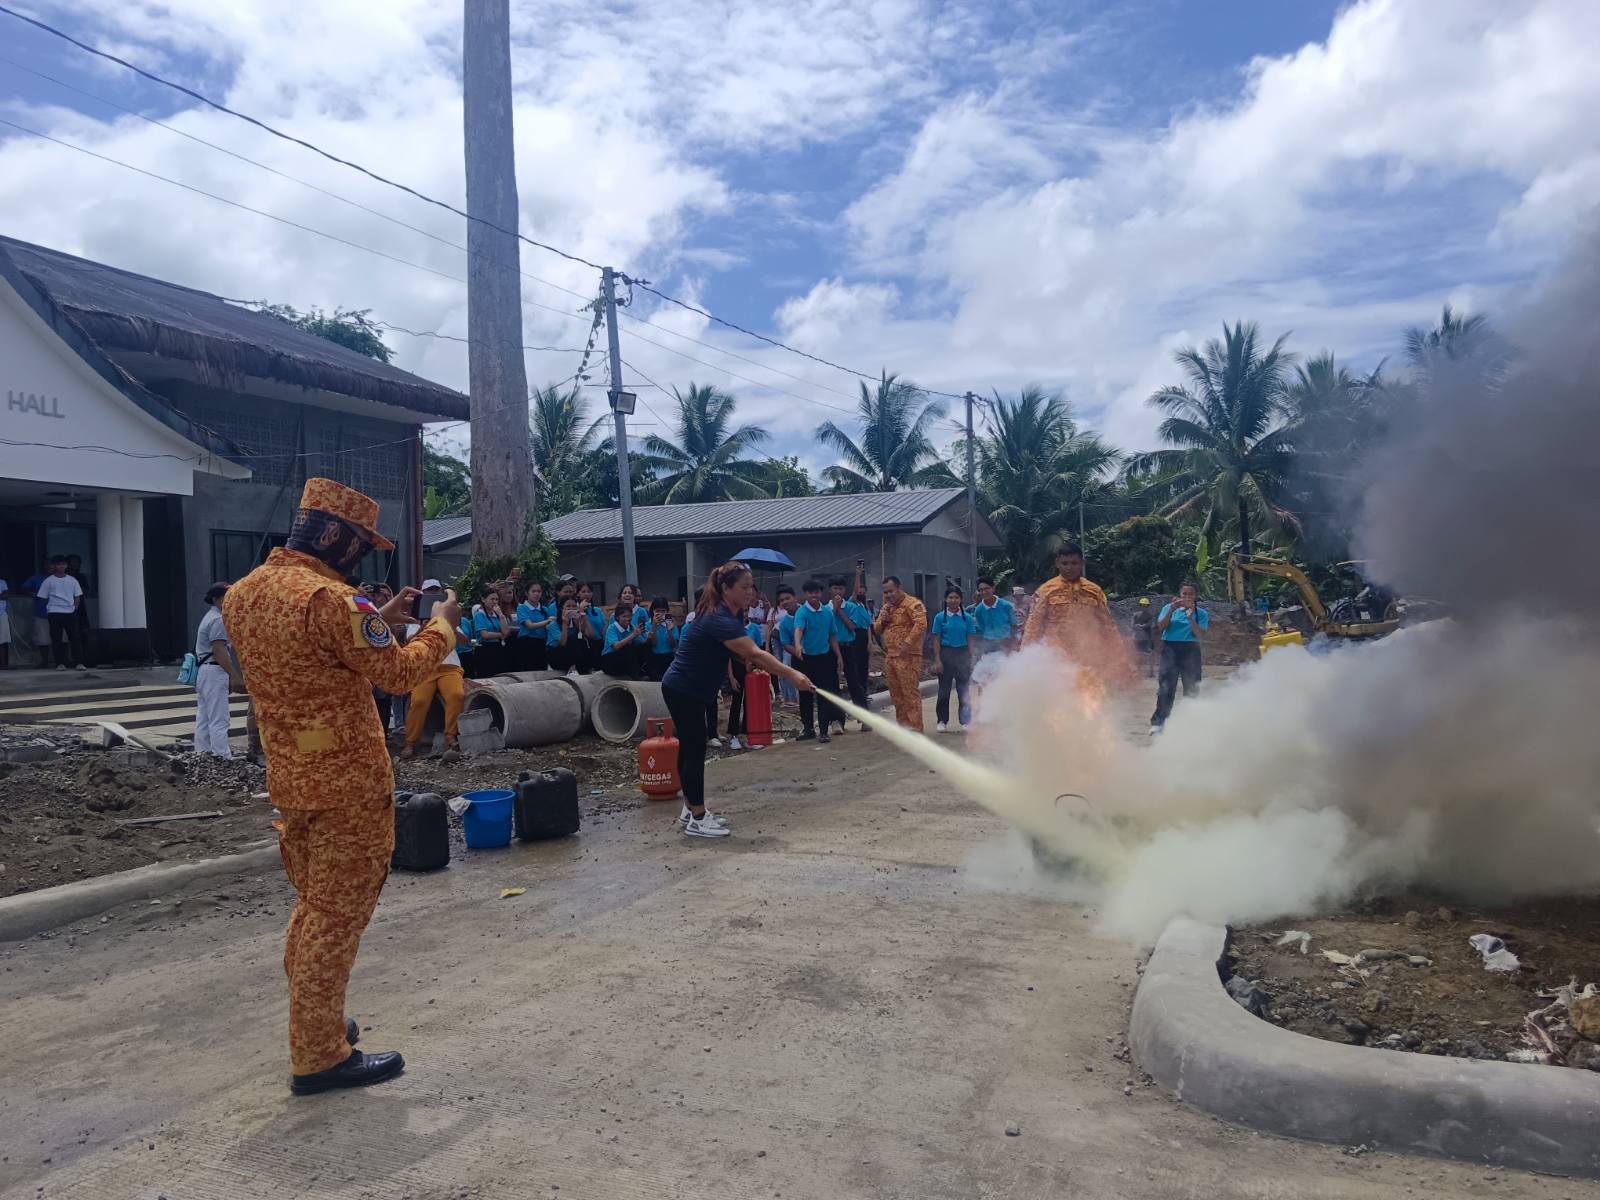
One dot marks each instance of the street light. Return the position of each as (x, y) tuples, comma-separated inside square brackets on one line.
[(624, 402)]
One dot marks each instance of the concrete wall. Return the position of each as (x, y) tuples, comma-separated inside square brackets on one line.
[(266, 503)]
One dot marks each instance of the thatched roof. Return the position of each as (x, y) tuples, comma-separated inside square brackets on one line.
[(122, 312)]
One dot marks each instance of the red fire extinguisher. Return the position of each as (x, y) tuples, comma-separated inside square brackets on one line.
[(758, 708), (658, 760)]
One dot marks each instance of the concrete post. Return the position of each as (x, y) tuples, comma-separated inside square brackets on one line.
[(108, 560), (133, 610), (691, 573)]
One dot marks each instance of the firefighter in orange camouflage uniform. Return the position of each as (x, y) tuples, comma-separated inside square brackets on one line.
[(312, 649), (902, 625), (1071, 615)]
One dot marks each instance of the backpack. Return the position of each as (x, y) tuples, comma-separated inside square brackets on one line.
[(189, 671)]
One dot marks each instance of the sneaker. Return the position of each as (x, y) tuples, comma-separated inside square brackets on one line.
[(81, 667), (806, 735), (715, 743), (705, 827), (842, 729), (686, 816), (61, 666), (943, 728), (734, 744)]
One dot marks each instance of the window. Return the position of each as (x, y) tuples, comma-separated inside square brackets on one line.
[(235, 554)]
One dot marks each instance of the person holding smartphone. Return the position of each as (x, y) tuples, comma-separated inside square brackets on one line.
[(1182, 626), (661, 639)]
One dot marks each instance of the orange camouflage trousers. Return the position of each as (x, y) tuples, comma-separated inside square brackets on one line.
[(903, 674), (337, 859)]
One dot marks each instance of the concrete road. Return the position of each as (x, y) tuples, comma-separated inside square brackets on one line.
[(833, 1003)]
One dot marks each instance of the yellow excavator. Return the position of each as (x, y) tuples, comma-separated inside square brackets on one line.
[(1348, 618)]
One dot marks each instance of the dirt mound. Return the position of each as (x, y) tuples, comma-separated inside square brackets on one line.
[(1435, 996)]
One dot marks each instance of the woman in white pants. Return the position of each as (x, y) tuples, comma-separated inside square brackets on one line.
[(218, 676)]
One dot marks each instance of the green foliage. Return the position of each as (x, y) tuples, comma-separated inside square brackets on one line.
[(446, 484), (537, 559), (1034, 468), (566, 452), (786, 477), (895, 450), (1233, 454), (352, 328), (709, 460), (1142, 554)]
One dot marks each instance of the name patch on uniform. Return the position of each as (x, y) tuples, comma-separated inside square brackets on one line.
[(375, 632)]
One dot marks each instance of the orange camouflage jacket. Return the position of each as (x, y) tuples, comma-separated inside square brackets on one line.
[(903, 627), (311, 651), (1076, 620)]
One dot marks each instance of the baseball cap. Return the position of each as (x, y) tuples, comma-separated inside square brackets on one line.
[(1144, 601), (431, 585)]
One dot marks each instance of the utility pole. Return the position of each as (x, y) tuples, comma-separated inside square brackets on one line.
[(503, 513), (1080, 534), (619, 410), (972, 503)]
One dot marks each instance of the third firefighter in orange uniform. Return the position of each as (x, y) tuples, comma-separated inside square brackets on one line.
[(1071, 615), (312, 649), (902, 624)]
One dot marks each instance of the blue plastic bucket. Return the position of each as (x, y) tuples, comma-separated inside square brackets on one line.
[(487, 821)]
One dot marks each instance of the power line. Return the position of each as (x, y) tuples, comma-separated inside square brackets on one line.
[(278, 133), (315, 149)]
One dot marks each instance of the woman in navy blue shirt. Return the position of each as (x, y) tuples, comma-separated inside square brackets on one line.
[(705, 648)]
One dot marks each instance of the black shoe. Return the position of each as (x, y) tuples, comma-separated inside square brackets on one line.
[(806, 735), (359, 1070), (824, 739), (352, 1031)]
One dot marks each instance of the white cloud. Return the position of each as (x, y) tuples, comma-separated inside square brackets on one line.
[(1017, 237)]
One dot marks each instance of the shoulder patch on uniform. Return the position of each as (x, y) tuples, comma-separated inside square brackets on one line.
[(361, 603), (374, 631)]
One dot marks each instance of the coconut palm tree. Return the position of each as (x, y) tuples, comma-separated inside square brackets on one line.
[(1231, 450), (1458, 349), (1035, 466), (709, 460), (895, 450), (565, 440)]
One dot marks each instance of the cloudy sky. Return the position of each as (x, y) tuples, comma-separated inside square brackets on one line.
[(975, 195)]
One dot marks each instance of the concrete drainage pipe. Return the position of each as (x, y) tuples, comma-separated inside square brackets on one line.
[(529, 714), (622, 707), (585, 685)]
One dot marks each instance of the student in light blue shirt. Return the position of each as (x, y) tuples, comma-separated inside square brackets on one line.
[(621, 655), (631, 594), (596, 618), (954, 631), (853, 627), (816, 645), (530, 652), (781, 639), (1182, 626), (662, 636), (998, 622)]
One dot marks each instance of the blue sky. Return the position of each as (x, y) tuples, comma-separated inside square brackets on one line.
[(972, 195)]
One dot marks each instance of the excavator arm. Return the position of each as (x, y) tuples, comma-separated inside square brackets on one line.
[(1238, 564)]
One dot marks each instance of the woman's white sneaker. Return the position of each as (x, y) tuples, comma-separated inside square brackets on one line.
[(733, 744), (707, 827), (686, 816)]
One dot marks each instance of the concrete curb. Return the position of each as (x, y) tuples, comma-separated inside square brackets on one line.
[(33, 912), (1201, 1046)]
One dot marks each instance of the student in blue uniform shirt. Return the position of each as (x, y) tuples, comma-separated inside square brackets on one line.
[(466, 643), (1182, 624), (622, 653), (491, 628), (782, 640), (630, 594), (661, 639), (816, 644), (997, 620), (596, 617), (574, 648), (531, 650), (954, 631), (852, 626)]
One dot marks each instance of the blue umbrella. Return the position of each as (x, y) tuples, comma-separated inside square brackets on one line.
[(759, 556)]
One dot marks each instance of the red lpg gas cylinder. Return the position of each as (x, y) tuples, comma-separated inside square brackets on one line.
[(658, 760), (758, 708)]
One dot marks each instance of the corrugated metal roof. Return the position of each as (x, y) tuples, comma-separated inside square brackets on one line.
[(751, 518), (442, 530), (125, 311)]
